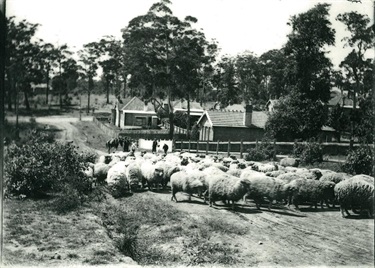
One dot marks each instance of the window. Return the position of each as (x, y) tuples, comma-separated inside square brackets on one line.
[(140, 121)]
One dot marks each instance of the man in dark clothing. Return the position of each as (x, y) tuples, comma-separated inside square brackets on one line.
[(154, 144), (165, 148)]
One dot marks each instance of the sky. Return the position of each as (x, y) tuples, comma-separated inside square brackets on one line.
[(237, 25)]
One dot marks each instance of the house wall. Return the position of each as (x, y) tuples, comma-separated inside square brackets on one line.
[(138, 119), (237, 134), (206, 131)]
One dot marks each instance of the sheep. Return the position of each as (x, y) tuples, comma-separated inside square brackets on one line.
[(151, 174), (289, 176), (185, 182), (133, 175), (315, 175), (275, 173), (262, 186), (100, 172), (309, 190), (168, 170), (105, 159), (289, 162), (356, 192), (235, 172), (265, 167), (226, 187), (335, 177), (117, 174)]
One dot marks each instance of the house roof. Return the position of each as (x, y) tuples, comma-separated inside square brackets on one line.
[(136, 104), (224, 118)]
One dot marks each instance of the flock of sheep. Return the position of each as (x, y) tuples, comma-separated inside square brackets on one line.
[(230, 180)]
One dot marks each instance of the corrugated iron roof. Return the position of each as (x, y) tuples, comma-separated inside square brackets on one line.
[(136, 104), (224, 118)]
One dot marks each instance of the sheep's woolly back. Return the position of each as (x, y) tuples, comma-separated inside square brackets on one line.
[(101, 171), (184, 182), (289, 176), (334, 177), (275, 173), (104, 159), (247, 173), (227, 187), (312, 190), (357, 191), (117, 172), (133, 173), (151, 173), (266, 167), (263, 186), (289, 162), (235, 172)]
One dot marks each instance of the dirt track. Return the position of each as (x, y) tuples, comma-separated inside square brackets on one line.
[(291, 238), (281, 237)]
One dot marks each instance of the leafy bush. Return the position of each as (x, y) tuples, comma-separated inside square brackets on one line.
[(39, 167), (308, 152), (264, 151), (68, 200), (359, 161)]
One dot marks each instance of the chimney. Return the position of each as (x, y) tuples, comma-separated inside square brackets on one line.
[(248, 115)]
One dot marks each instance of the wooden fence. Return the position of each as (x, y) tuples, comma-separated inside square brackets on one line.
[(240, 147)]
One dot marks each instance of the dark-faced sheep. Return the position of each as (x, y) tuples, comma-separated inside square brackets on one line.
[(356, 192)]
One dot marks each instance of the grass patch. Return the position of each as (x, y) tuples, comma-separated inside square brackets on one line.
[(337, 167), (153, 232)]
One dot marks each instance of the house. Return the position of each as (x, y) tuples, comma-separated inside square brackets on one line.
[(134, 114), (241, 124), (244, 124)]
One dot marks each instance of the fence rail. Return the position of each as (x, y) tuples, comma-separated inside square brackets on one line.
[(240, 147)]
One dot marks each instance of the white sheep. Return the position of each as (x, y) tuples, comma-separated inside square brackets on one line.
[(117, 174), (168, 170), (226, 187), (354, 193), (133, 175), (289, 162), (151, 174), (184, 182), (100, 172), (265, 187), (309, 190), (265, 167)]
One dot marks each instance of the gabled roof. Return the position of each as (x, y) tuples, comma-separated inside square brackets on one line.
[(136, 104), (178, 104), (224, 118)]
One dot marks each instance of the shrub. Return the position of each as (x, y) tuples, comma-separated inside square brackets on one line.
[(39, 167), (359, 161), (264, 151), (69, 199), (308, 152)]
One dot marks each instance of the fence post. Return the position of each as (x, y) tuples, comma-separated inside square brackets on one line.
[(229, 148), (217, 148), (189, 146), (274, 150), (207, 147), (241, 149), (256, 144), (197, 146), (173, 145)]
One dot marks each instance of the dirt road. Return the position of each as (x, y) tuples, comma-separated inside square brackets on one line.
[(283, 237)]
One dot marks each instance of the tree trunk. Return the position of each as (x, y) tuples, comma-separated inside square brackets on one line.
[(27, 103), (107, 86), (47, 89), (16, 104), (11, 90), (124, 91), (88, 94), (188, 118)]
